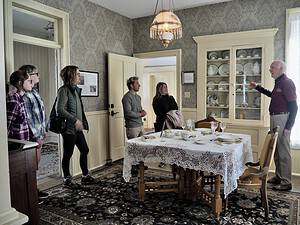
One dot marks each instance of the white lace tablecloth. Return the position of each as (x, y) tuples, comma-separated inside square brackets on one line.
[(227, 160)]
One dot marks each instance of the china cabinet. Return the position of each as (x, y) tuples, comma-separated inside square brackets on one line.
[(226, 64)]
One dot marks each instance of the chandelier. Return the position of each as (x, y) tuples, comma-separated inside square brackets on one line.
[(166, 26)]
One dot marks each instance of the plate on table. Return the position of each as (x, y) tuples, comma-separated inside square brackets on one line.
[(212, 55), (211, 85), (200, 142), (223, 85), (248, 68), (228, 138), (224, 69), (239, 69), (241, 53), (212, 70)]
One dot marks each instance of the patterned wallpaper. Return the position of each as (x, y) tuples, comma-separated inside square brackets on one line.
[(237, 15), (95, 31)]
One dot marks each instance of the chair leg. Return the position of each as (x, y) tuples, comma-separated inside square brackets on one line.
[(264, 197)]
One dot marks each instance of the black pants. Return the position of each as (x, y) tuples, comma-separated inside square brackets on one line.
[(69, 142)]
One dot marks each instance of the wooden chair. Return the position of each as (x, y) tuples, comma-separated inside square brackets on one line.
[(205, 123), (255, 176)]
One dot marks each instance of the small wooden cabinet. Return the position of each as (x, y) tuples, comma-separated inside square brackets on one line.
[(23, 184), (226, 64)]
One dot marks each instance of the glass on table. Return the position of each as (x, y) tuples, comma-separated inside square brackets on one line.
[(223, 126), (213, 126)]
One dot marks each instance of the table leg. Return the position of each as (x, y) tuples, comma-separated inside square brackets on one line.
[(141, 181), (217, 198), (194, 185), (181, 183)]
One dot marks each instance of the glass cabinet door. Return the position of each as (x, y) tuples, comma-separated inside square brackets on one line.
[(248, 69), (217, 78)]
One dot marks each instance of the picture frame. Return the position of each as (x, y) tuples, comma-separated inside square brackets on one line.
[(188, 77), (89, 83)]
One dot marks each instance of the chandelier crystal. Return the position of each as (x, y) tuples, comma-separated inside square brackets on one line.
[(166, 26)]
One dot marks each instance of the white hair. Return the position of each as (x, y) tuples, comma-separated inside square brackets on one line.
[(281, 64)]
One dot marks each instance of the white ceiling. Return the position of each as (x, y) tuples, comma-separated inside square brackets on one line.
[(140, 8)]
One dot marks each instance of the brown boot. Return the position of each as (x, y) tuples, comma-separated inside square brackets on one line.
[(274, 180)]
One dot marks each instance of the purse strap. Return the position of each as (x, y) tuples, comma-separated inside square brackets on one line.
[(53, 110)]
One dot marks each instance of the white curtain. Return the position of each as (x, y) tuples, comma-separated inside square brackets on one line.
[(293, 65)]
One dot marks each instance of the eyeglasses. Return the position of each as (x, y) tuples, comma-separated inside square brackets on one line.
[(34, 74)]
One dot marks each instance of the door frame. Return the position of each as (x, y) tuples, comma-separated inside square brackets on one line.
[(61, 40), (174, 52)]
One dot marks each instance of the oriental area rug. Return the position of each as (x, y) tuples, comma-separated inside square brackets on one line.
[(112, 201)]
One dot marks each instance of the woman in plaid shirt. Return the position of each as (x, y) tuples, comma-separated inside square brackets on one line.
[(17, 125)]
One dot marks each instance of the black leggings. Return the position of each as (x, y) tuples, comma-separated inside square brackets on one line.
[(69, 142)]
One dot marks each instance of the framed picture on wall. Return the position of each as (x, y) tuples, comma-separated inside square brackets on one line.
[(188, 77), (89, 83)]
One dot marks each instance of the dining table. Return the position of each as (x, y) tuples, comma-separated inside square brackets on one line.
[(222, 155)]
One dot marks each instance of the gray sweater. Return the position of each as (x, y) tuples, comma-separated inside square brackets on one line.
[(132, 107)]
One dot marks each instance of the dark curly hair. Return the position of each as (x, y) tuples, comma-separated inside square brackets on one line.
[(68, 74)]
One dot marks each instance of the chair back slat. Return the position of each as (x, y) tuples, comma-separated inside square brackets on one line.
[(267, 157), (205, 123)]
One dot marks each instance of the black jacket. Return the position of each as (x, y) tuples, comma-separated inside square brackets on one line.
[(161, 106)]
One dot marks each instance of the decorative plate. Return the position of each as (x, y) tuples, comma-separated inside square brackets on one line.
[(212, 99), (211, 85), (248, 68), (241, 53), (224, 69), (212, 70), (223, 85), (225, 54), (212, 55), (239, 69), (257, 101), (256, 52)]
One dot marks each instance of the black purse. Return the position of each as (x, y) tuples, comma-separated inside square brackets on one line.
[(57, 123)]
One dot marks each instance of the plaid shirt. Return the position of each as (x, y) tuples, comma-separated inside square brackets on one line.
[(35, 112), (17, 125)]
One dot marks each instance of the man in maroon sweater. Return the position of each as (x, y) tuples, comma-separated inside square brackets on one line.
[(283, 109)]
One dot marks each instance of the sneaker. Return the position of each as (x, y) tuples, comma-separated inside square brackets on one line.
[(88, 179), (42, 195), (69, 183), (274, 180)]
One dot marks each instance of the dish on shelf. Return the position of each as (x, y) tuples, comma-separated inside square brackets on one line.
[(241, 53), (256, 52), (257, 101), (239, 69), (212, 70), (222, 85), (248, 68), (212, 55), (225, 54), (224, 69), (211, 85), (212, 100)]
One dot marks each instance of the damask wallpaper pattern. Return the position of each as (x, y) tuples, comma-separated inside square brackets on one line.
[(95, 31), (234, 16)]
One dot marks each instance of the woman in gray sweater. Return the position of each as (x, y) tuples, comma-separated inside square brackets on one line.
[(69, 106)]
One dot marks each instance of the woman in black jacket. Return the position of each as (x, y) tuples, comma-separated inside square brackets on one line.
[(69, 106), (162, 104)]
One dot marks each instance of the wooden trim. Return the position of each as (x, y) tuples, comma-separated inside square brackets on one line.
[(35, 41), (92, 113), (236, 35), (189, 109), (293, 10)]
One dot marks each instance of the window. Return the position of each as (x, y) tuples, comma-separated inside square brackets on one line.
[(292, 61)]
